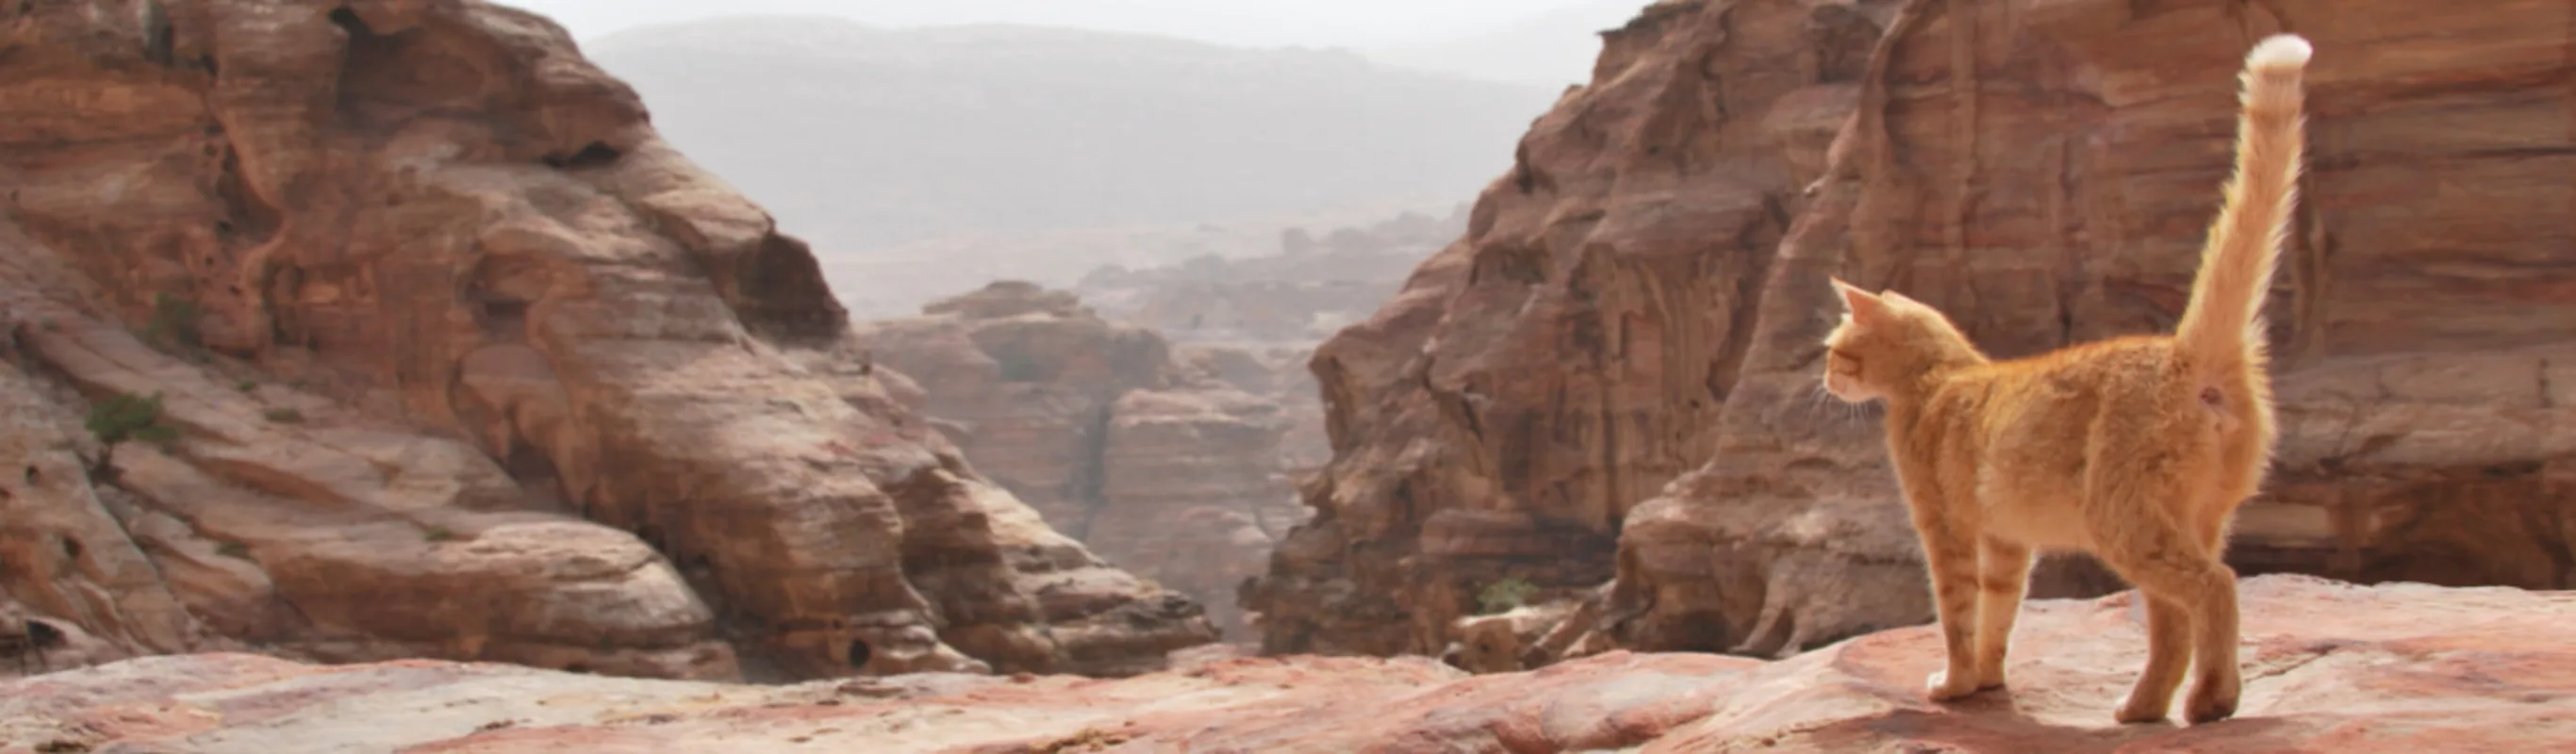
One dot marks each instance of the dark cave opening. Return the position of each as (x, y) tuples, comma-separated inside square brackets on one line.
[(596, 154), (779, 292), (251, 220), (159, 42), (528, 463), (42, 635), (503, 318), (349, 21), (860, 653)]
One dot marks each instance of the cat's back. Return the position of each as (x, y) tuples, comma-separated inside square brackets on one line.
[(2112, 366), (2032, 422), (2041, 408)]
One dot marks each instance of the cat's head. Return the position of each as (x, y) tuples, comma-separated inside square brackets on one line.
[(1886, 341)]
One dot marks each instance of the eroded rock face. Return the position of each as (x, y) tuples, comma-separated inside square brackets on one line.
[(2397, 669), (1571, 354), (1625, 343), (2403, 441), (1155, 461), (465, 362), (1255, 320)]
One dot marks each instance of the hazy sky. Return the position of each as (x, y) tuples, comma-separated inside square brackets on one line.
[(1347, 23)]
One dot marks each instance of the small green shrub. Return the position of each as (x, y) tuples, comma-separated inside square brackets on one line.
[(1502, 596), (284, 416), (233, 550), (246, 386), (125, 417), (436, 533)]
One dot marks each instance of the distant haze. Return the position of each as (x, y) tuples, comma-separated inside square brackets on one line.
[(927, 147), (919, 160), (1549, 42), (1322, 23)]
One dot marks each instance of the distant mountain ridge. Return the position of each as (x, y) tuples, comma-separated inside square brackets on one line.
[(1555, 47), (865, 138), (1246, 23)]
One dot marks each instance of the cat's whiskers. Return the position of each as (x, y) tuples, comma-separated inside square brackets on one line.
[(1818, 401)]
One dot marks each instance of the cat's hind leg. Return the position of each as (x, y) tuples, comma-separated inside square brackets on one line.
[(2191, 606), (2168, 655)]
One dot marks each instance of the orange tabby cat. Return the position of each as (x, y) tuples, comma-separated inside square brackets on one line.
[(2136, 449)]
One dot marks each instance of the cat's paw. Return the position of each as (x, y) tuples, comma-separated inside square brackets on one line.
[(1990, 680), (2135, 711), (1940, 688), (2209, 705)]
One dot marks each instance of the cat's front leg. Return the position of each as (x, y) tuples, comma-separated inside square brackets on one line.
[(1950, 553), (2003, 575)]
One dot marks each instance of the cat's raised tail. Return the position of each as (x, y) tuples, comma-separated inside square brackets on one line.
[(2221, 331)]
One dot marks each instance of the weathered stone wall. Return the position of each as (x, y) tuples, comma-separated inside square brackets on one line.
[(1643, 297)]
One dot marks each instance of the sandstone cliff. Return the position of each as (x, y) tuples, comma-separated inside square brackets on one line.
[(2398, 669), (1624, 343), (456, 358), (1154, 460)]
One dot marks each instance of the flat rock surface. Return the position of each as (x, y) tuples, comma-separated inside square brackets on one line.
[(2330, 667)]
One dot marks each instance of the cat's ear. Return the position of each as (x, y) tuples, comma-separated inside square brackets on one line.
[(1866, 308)]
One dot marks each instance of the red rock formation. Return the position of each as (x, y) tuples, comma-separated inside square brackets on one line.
[(2075, 212), (1642, 297), (1570, 355), (1161, 467), (1192, 492), (431, 298), (2399, 669), (1256, 320)]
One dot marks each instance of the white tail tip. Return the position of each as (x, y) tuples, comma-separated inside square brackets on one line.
[(2279, 51)]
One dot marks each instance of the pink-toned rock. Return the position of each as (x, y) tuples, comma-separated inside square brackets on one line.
[(1153, 460), (462, 360), (2400, 669), (1624, 343)]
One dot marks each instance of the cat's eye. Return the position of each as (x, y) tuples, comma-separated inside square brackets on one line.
[(1842, 362)]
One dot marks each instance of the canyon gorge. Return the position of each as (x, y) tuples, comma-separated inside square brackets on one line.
[(382, 351)]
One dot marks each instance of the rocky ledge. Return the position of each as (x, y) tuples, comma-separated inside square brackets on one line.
[(2330, 666)]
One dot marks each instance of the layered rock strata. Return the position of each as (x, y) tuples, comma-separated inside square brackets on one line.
[(456, 358), (1151, 458), (1613, 371)]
